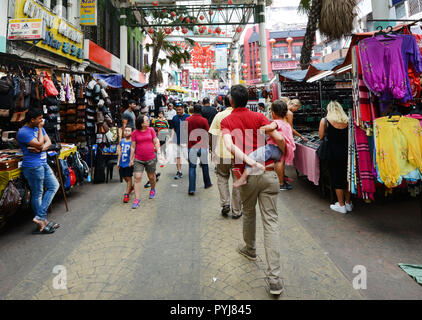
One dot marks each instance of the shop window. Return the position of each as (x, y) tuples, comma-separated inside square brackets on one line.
[(401, 11)]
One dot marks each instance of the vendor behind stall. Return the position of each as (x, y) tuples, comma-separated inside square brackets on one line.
[(34, 142)]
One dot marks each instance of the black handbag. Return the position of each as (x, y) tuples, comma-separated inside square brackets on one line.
[(323, 150)]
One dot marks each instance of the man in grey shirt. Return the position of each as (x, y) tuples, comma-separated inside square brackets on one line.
[(128, 117)]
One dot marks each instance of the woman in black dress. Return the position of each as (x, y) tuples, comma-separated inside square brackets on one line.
[(336, 123)]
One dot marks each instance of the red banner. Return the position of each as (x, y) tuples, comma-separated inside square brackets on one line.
[(185, 78)]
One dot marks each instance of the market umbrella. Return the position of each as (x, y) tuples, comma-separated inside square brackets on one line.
[(177, 89)]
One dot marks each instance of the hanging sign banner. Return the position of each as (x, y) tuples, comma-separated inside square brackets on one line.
[(26, 29), (185, 78), (88, 12), (221, 57), (60, 37)]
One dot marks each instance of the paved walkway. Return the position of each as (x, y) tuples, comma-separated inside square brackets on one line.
[(172, 247)]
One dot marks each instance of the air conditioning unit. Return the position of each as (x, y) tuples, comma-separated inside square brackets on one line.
[(287, 55), (327, 50)]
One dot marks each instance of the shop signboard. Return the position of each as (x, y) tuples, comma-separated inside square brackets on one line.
[(88, 12), (134, 74), (97, 54), (185, 78), (221, 57), (26, 29), (210, 85), (285, 65), (60, 37)]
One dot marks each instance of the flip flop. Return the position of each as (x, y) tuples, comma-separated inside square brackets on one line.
[(53, 225), (46, 230)]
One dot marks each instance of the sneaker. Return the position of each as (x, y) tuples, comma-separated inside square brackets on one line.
[(178, 175), (287, 179), (147, 185), (236, 216), (276, 288), (349, 207), (136, 203), (208, 186), (244, 252), (338, 208), (285, 186), (152, 194), (225, 210), (191, 193), (126, 198)]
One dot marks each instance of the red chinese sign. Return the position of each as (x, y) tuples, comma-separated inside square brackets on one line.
[(185, 78)]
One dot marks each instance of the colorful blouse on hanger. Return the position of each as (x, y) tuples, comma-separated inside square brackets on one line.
[(382, 65), (398, 148), (364, 102), (409, 53)]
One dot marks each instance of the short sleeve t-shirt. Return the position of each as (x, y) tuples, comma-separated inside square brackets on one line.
[(125, 153), (243, 125), (180, 129), (144, 145), (130, 117), (30, 159)]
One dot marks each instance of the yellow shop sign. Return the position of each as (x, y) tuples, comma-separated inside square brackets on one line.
[(88, 13), (60, 37)]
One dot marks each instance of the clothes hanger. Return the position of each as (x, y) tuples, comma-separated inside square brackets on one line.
[(385, 34), (394, 112)]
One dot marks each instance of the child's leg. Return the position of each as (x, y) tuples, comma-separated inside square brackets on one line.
[(279, 169), (128, 184), (279, 140)]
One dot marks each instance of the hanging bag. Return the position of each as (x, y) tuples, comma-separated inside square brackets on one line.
[(323, 150), (49, 86)]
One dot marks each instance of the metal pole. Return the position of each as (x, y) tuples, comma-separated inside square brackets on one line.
[(263, 40), (123, 37)]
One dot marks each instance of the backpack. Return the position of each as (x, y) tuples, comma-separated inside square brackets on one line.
[(72, 177), (65, 174), (49, 86)]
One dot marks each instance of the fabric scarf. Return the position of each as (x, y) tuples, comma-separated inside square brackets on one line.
[(365, 163)]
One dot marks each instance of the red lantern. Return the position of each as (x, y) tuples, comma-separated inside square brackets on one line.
[(211, 12), (220, 9), (244, 66), (218, 30), (271, 41), (239, 29), (230, 2), (184, 30), (150, 30), (258, 64), (209, 30), (177, 28), (164, 10), (181, 18), (187, 20), (194, 20), (155, 3), (173, 14), (224, 32), (201, 17)]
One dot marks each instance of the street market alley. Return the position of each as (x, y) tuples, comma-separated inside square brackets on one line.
[(180, 247)]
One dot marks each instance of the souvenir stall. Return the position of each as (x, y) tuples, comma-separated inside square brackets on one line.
[(24, 85), (385, 134), (312, 88)]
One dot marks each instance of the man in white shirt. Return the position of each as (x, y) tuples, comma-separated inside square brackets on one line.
[(170, 114)]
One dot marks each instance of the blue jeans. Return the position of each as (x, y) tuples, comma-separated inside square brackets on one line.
[(194, 154), (38, 178), (265, 153)]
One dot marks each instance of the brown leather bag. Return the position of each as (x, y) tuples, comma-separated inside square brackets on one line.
[(100, 117), (10, 200)]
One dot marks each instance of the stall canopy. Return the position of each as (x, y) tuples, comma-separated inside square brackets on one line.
[(177, 89), (312, 71), (118, 81)]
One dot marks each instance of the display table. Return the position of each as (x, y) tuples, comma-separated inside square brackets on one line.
[(306, 161), (6, 176)]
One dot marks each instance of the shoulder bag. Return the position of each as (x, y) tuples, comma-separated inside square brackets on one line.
[(323, 150)]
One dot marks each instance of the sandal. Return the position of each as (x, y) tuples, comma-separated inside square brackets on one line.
[(47, 230), (53, 225)]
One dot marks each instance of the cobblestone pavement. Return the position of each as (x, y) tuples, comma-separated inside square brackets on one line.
[(172, 247)]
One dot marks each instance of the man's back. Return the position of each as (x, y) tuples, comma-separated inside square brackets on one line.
[(209, 113), (196, 121)]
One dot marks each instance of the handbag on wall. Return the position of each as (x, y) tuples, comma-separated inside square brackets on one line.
[(323, 150)]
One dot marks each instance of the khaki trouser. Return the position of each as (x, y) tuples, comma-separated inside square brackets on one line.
[(264, 189), (223, 176)]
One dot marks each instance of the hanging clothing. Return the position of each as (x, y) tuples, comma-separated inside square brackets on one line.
[(398, 149), (382, 65), (416, 116), (366, 176), (364, 102)]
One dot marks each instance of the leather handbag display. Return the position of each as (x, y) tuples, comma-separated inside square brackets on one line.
[(10, 200)]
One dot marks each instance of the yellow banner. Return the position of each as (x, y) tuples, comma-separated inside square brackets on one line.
[(60, 37), (88, 13)]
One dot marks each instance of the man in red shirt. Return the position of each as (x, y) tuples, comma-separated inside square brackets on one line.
[(241, 136), (198, 148)]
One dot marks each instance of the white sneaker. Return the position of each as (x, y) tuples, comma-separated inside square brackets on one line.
[(349, 207), (338, 208)]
